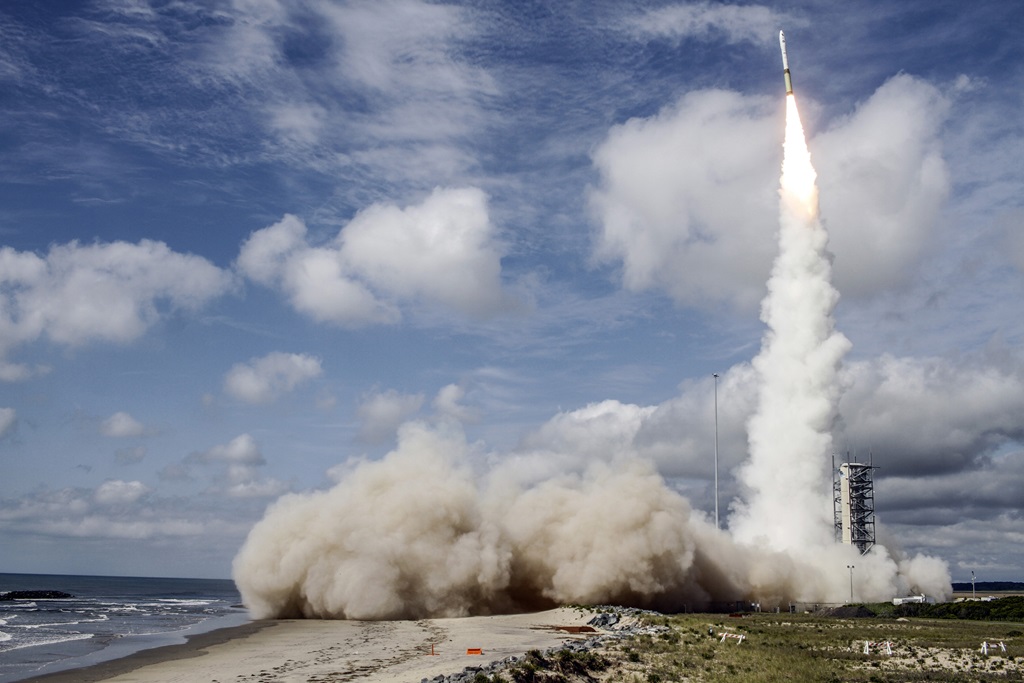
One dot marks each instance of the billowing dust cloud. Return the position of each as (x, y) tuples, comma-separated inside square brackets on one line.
[(421, 533)]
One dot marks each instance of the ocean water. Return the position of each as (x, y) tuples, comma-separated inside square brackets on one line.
[(108, 617)]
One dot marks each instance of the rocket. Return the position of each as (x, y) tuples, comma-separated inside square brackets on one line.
[(785, 64)]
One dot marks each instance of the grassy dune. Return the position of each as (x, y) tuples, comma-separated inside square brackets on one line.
[(801, 647), (778, 648)]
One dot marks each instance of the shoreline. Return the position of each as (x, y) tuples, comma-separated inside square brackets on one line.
[(337, 650), (193, 646)]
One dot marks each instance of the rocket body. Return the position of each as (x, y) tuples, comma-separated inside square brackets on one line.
[(785, 64)]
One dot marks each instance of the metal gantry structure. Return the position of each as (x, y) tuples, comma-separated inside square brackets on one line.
[(853, 489)]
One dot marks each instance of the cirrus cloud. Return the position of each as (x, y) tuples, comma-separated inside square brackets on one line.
[(754, 23)]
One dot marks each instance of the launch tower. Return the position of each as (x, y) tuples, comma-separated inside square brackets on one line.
[(853, 489)]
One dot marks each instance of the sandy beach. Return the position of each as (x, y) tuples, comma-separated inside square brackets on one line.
[(316, 651)]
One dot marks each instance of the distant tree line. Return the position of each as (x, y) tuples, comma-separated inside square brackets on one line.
[(1010, 608), (989, 586)]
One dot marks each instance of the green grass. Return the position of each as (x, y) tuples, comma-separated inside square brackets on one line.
[(1010, 608), (800, 647), (559, 667)]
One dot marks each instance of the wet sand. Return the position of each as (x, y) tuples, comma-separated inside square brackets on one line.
[(316, 651)]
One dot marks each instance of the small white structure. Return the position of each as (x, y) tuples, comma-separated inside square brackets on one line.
[(887, 644), (914, 599)]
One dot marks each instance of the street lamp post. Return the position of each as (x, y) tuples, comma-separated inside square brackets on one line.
[(973, 595), (715, 375), (851, 568)]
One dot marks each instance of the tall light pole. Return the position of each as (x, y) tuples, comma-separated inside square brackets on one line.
[(973, 596), (715, 375), (851, 568)]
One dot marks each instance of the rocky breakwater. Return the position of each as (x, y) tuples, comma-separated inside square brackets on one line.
[(35, 595)]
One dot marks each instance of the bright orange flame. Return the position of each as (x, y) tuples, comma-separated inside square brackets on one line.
[(798, 176)]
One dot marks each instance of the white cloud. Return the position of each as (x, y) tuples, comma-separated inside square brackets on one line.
[(300, 124), (14, 372), (116, 509), (403, 54), (120, 425), (262, 380), (418, 99), (118, 492), (930, 415), (680, 434), (572, 440), (754, 23), (8, 421), (687, 198), (400, 44), (256, 488), (242, 450), (278, 256), (986, 489), (240, 477), (883, 181), (19, 372), (993, 546), (448, 403), (264, 255), (951, 428), (381, 413), (442, 251), (99, 292)]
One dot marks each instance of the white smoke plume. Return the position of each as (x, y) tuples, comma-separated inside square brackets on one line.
[(424, 532), (790, 432)]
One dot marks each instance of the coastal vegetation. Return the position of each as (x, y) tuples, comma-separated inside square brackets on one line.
[(953, 642), (807, 647)]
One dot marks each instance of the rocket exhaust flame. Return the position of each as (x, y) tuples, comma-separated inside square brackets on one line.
[(799, 179)]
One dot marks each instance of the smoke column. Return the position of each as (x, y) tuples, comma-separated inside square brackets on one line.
[(790, 433), (422, 533)]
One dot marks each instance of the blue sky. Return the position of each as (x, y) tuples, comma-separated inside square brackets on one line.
[(241, 243)]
